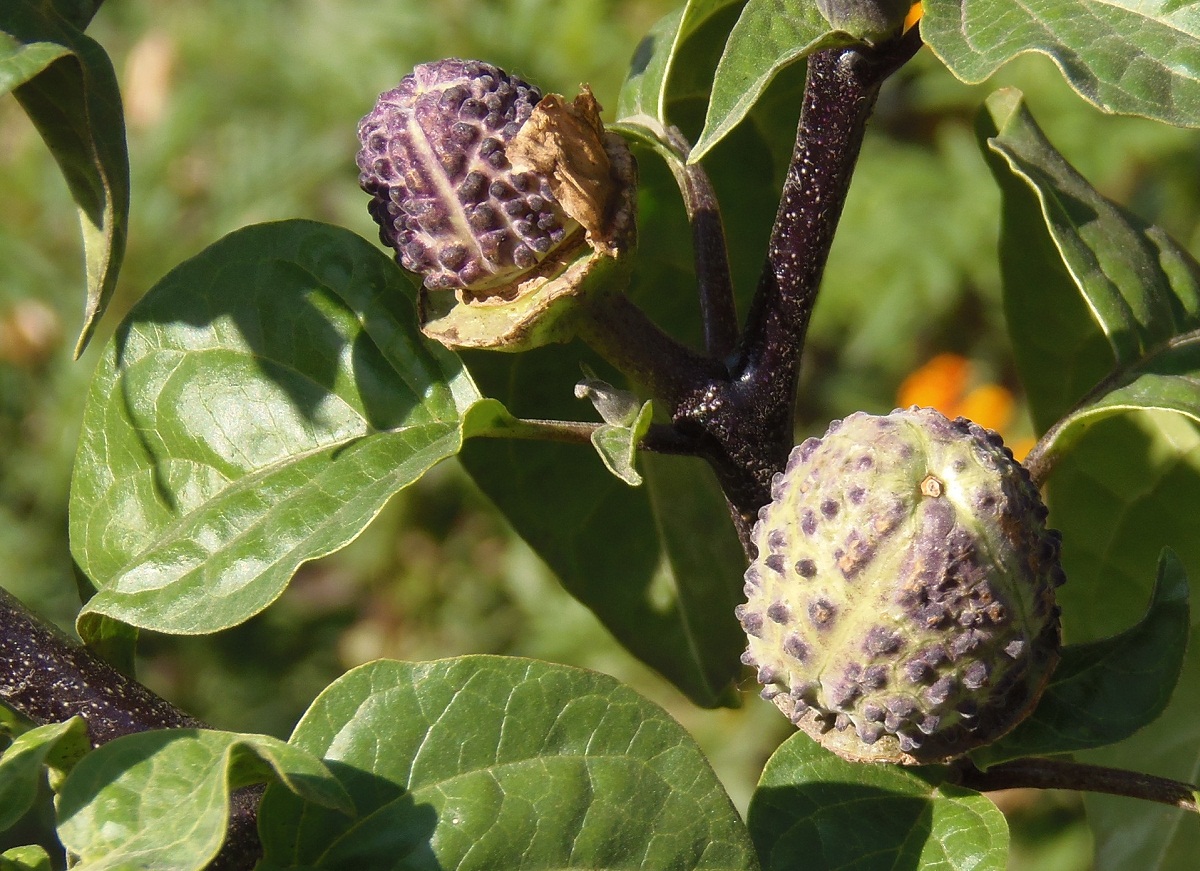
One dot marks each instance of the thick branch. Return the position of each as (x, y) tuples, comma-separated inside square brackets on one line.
[(622, 334), (745, 422), (48, 679), (1064, 774)]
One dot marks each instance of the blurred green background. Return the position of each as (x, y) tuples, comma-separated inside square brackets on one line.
[(240, 112)]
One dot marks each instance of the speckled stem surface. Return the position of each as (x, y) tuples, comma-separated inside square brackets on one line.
[(48, 678), (744, 420)]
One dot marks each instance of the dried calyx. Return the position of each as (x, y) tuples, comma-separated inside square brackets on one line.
[(901, 606), (506, 203)]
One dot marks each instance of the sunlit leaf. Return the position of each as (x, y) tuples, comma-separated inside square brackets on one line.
[(161, 799), (1131, 58), (647, 88), (769, 36), (57, 745), (1141, 290), (29, 858), (489, 762), (255, 410)]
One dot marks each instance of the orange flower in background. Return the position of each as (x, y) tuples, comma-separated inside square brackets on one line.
[(914, 15), (944, 383)]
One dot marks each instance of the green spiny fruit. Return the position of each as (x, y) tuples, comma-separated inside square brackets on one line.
[(901, 607)]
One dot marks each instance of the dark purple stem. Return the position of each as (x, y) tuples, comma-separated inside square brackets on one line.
[(718, 313), (47, 678), (1064, 774), (744, 421)]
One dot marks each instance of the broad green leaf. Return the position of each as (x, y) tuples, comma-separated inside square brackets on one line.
[(646, 91), (31, 858), (66, 84), (161, 799), (1139, 290), (57, 745), (1125, 57), (254, 411), (813, 809), (609, 544), (486, 762), (20, 62), (1167, 379), (769, 36), (1104, 691), (1141, 287), (1129, 487)]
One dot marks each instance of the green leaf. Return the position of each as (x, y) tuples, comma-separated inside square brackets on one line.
[(31, 858), (254, 411), (161, 799), (813, 809), (1104, 691), (1141, 290), (78, 12), (66, 84), (615, 548), (617, 447), (646, 91), (56, 745), (1130, 58), (493, 762), (1130, 486), (769, 36)]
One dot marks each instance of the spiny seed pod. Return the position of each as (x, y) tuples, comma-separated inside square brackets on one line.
[(901, 606), (494, 194)]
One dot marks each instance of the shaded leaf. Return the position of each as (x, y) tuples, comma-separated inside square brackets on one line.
[(55, 745), (605, 541), (646, 91), (1131, 58), (254, 411), (621, 552), (78, 12), (66, 84), (813, 809), (1130, 486), (161, 799), (493, 762), (769, 36), (1104, 691), (1140, 290)]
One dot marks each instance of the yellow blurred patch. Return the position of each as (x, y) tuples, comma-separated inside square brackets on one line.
[(944, 383), (990, 406), (938, 384), (913, 16)]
